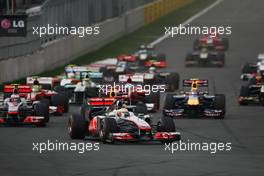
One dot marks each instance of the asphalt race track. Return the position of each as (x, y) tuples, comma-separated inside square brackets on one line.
[(243, 126)]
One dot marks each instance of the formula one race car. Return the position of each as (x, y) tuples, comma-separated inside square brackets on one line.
[(215, 41), (205, 57), (170, 80), (133, 92), (250, 70), (112, 72), (111, 122), (18, 110), (57, 102), (253, 92), (147, 57), (195, 102), (79, 83)]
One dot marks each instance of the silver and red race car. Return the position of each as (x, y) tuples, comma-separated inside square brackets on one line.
[(16, 109), (41, 89), (110, 122)]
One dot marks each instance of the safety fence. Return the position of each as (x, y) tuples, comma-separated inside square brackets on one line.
[(64, 13)]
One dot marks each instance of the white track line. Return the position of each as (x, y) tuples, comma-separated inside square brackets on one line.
[(199, 14)]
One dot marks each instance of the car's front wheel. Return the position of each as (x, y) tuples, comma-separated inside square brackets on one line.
[(77, 126)]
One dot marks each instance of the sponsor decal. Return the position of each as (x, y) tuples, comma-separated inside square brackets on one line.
[(13, 25)]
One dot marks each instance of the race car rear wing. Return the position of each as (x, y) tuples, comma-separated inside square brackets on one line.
[(41, 80), (21, 89), (199, 82), (134, 78), (100, 101), (76, 69)]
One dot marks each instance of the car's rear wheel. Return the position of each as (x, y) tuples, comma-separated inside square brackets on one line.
[(196, 44), (169, 102), (172, 80), (91, 92), (42, 110), (188, 59), (220, 104), (141, 108), (60, 100), (225, 43), (244, 92), (153, 97), (77, 126)]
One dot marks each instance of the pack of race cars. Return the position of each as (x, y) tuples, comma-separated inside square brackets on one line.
[(114, 102), (252, 92), (208, 50)]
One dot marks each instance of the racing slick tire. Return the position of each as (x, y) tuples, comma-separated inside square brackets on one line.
[(225, 42), (141, 108), (261, 98), (107, 126), (109, 75), (244, 92), (220, 104), (169, 102), (252, 81), (153, 97), (221, 58), (166, 124), (60, 100), (91, 92), (77, 126), (196, 44), (172, 81), (189, 58), (62, 90), (45, 101), (42, 110)]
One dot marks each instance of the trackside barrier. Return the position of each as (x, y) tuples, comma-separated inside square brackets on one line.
[(157, 9)]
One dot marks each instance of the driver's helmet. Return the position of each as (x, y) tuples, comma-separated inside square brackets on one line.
[(15, 98), (71, 75), (152, 70), (36, 88), (194, 87)]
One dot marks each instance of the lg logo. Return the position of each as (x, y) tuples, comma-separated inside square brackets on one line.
[(13, 25), (6, 24)]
